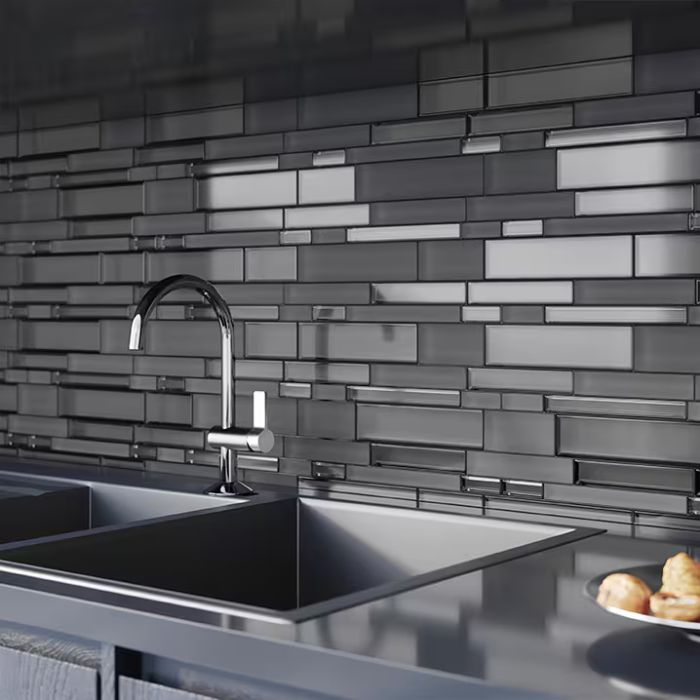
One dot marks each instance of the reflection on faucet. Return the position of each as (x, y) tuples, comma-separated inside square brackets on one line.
[(225, 437)]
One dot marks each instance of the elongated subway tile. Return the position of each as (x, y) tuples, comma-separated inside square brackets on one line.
[(403, 477), (404, 313), (250, 190), (634, 200), (121, 133), (646, 291), (102, 201), (420, 211), (417, 457), (451, 95), (195, 124), (522, 120), (559, 346), (253, 220), (168, 154), (59, 140), (481, 144), (520, 206), (393, 395), (661, 72), (615, 314), (527, 227), (327, 138), (663, 255), (609, 256), (424, 376), (645, 131), (519, 432), (363, 342), (419, 293), (270, 264), (64, 269), (60, 335), (616, 407), (324, 159), (92, 403), (521, 379), (523, 141), (620, 110), (423, 130), (398, 233), (634, 384), (327, 216), (408, 151), (522, 402), (631, 475), (327, 185), (28, 206), (520, 292), (520, 466)]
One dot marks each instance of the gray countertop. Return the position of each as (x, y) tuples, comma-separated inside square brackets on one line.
[(524, 624)]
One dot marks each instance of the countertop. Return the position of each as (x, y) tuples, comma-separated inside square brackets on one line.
[(523, 624)]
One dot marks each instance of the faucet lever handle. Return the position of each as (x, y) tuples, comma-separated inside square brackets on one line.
[(259, 410)]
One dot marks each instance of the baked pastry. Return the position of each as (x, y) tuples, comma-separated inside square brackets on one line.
[(681, 576), (675, 607), (624, 591)]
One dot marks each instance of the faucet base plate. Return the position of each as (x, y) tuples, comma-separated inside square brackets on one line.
[(230, 488)]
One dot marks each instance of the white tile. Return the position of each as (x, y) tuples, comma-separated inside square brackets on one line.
[(521, 292), (635, 200), (615, 314), (327, 185), (246, 191), (526, 227), (481, 314), (403, 233)]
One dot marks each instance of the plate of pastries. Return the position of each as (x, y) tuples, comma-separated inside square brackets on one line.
[(667, 594)]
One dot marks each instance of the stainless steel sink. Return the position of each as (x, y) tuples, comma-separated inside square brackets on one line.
[(282, 561)]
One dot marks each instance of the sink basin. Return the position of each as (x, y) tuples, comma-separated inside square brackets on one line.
[(282, 561)]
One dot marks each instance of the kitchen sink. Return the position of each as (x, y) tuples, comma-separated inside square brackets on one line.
[(282, 561)]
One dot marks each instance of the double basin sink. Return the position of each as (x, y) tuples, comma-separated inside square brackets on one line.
[(270, 558)]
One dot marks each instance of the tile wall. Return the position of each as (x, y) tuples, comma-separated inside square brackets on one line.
[(466, 278)]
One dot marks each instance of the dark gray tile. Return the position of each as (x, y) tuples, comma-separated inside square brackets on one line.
[(666, 348), (169, 408), (440, 177), (616, 407), (244, 146), (61, 269), (664, 441), (422, 377), (649, 476), (270, 340), (218, 266), (327, 419), (59, 113), (357, 262), (269, 264), (169, 196), (521, 206), (569, 82), (8, 398), (630, 223), (447, 344), (378, 104), (59, 335), (487, 229), (120, 133), (522, 314), (634, 385), (111, 405), (102, 201), (357, 341), (523, 141), (410, 397), (634, 291), (37, 425), (404, 151), (37, 400), (418, 457), (28, 206), (451, 61), (454, 95), (167, 154), (24, 168), (617, 498), (8, 146), (126, 267), (665, 72), (404, 477), (620, 110), (343, 452), (327, 372), (523, 402), (328, 138), (169, 224), (267, 117), (426, 211), (59, 140), (327, 294), (419, 130), (481, 400), (191, 125), (512, 431), (450, 260), (184, 96), (557, 470), (9, 334), (440, 426), (529, 171)]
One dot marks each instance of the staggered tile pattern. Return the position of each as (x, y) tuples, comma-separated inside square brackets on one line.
[(476, 285)]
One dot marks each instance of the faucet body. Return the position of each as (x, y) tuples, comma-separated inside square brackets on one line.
[(225, 437)]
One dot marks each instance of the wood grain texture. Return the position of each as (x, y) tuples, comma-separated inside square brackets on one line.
[(25, 676), (132, 689)]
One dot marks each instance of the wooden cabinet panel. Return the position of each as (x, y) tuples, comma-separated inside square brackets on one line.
[(132, 689)]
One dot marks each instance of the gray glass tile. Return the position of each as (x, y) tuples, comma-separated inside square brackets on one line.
[(357, 262), (61, 269), (666, 348), (399, 233), (28, 206), (439, 177), (166, 154), (323, 159), (37, 400), (618, 110), (404, 313), (271, 340), (616, 407), (120, 133), (454, 95), (417, 212), (650, 476), (417, 457), (327, 294), (169, 408), (295, 390), (524, 227), (196, 124), (616, 314), (126, 267), (416, 397), (617, 498), (8, 398), (522, 402), (108, 364), (520, 432), (270, 264), (378, 104), (327, 372), (481, 400), (103, 177), (522, 120), (250, 190), (523, 141), (422, 130), (667, 255), (650, 291), (403, 477), (636, 385), (91, 403), (527, 171), (238, 165), (327, 419), (219, 265), (434, 377), (558, 470), (324, 139), (34, 231), (520, 292), (37, 425), (645, 131), (266, 117), (440, 426), (327, 450), (460, 260), (481, 314), (569, 45), (244, 146), (327, 216), (25, 168), (101, 160), (630, 223), (177, 98), (169, 224), (339, 341), (664, 72), (301, 237), (254, 219), (327, 185), (59, 335), (102, 201), (166, 196), (608, 256), (612, 77), (447, 344), (419, 293), (296, 161), (404, 151), (521, 206), (560, 346), (481, 144), (451, 61), (635, 200), (57, 140)]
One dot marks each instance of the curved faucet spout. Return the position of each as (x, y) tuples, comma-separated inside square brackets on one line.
[(144, 309)]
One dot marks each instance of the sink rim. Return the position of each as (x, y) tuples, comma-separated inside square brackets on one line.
[(116, 590)]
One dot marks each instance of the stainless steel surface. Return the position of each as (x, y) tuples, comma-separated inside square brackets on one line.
[(226, 437), (312, 557)]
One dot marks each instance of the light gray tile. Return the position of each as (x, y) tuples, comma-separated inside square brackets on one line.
[(270, 340), (419, 293), (520, 432), (327, 419), (450, 344), (629, 164), (359, 106), (295, 390), (197, 124), (243, 191), (356, 262), (649, 476), (618, 110), (403, 233), (522, 402), (324, 159), (102, 201), (612, 77), (169, 408), (558, 470), (254, 219), (634, 384), (217, 266), (391, 395), (481, 314), (647, 291), (425, 376), (454, 95), (439, 426), (301, 237), (481, 144), (423, 130), (609, 256), (522, 120), (327, 372), (270, 264), (167, 196), (239, 165), (111, 405), (327, 185), (526, 171), (417, 457), (358, 341), (560, 346), (616, 407), (404, 313), (526, 227), (327, 216), (634, 200), (644, 131), (666, 348), (667, 255), (520, 292), (481, 400), (615, 314)]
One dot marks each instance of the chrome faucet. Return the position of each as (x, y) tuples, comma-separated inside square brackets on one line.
[(225, 437)]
